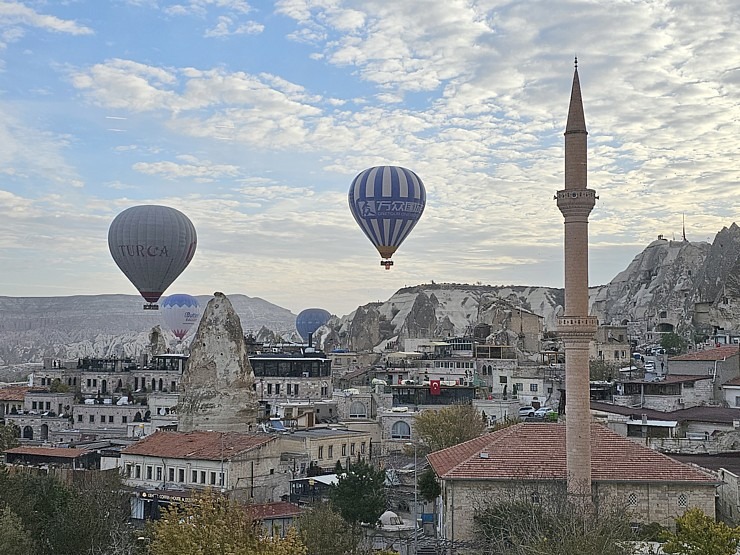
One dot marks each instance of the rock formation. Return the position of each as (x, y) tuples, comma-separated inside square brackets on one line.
[(216, 388), (157, 342)]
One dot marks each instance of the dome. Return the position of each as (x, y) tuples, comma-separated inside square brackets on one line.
[(389, 518)]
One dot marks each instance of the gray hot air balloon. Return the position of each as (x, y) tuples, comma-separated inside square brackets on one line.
[(152, 245)]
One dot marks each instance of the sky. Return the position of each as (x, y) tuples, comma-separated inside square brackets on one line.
[(253, 118)]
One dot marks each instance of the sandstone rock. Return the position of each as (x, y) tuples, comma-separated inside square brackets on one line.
[(157, 342), (216, 392)]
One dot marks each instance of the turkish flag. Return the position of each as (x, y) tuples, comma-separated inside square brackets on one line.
[(435, 387)]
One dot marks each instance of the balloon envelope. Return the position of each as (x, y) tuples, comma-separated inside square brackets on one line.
[(152, 245), (311, 319), (387, 202), (180, 313)]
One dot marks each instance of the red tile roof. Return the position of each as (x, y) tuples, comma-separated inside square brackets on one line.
[(536, 451), (278, 509), (14, 392), (719, 353), (58, 452), (197, 445)]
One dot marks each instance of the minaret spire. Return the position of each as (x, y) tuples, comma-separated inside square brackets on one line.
[(576, 327)]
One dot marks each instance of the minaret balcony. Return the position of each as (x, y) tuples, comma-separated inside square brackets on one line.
[(576, 202), (577, 326)]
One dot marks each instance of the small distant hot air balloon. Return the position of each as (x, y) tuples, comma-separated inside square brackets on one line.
[(386, 202), (152, 245), (309, 320), (180, 313)]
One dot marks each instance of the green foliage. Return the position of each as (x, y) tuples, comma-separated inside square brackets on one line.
[(553, 526), (325, 532), (68, 520), (213, 524), (673, 343), (9, 434), (338, 468), (602, 370), (58, 387), (439, 429), (359, 496), (698, 534), (429, 487), (14, 538)]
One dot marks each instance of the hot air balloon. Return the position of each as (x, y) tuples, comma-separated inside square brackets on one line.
[(309, 320), (386, 202), (180, 313), (152, 245)]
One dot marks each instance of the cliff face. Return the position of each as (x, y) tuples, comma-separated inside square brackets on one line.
[(217, 383)]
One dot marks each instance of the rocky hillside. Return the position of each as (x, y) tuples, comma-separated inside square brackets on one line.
[(105, 325)]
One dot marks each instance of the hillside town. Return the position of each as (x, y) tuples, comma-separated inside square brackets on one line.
[(627, 410)]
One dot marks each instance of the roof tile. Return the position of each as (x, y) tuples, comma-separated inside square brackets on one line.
[(197, 445)]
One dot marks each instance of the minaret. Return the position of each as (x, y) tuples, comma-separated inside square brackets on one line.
[(576, 327)]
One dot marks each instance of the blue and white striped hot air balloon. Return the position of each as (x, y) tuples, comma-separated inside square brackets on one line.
[(180, 313), (387, 202)]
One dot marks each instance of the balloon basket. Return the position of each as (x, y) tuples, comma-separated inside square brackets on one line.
[(386, 264), (151, 306)]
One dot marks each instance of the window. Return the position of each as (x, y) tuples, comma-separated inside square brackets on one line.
[(92, 418), (128, 470), (616, 354), (290, 389), (89, 382), (362, 447), (321, 452), (533, 387), (520, 387), (34, 405), (344, 446), (79, 416), (401, 430), (138, 471), (357, 410), (331, 451), (632, 500), (171, 473), (277, 389), (194, 477), (213, 478), (95, 382), (221, 479), (110, 419), (181, 475), (202, 476), (683, 500), (295, 389), (148, 472), (124, 419), (48, 405), (502, 379), (352, 449), (535, 498), (159, 474), (269, 389)]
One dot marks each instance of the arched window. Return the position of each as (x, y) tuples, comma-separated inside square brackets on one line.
[(27, 432), (357, 410), (401, 430)]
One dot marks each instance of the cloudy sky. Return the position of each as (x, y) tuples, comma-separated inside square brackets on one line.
[(253, 118)]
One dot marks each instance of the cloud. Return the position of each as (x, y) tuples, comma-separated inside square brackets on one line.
[(201, 7), (14, 16), (203, 171), (226, 27)]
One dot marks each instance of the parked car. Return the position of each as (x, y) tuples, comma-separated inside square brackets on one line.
[(542, 412), (526, 411), (650, 365)]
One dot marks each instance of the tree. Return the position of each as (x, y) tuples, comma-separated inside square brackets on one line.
[(525, 523), (359, 495), (325, 532), (439, 429), (14, 538), (214, 524), (602, 369), (58, 387), (429, 487), (673, 343), (9, 434), (698, 534)]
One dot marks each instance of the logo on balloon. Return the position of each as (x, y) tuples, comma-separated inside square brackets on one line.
[(389, 208), (191, 316), (143, 250)]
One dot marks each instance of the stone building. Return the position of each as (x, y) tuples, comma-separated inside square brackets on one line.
[(323, 448), (722, 364), (167, 466), (12, 399), (529, 459), (672, 392), (611, 344)]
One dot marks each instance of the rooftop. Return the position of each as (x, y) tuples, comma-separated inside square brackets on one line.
[(56, 452), (718, 353), (721, 415), (213, 446), (278, 509), (14, 392), (536, 451)]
